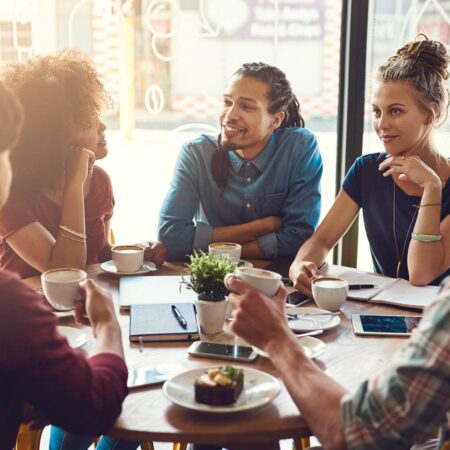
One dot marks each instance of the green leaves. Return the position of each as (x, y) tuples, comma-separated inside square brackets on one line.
[(207, 273)]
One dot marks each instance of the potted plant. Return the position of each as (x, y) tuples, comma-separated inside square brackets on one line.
[(206, 280)]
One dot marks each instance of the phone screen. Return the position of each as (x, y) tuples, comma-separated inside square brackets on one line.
[(231, 351), (389, 324), (145, 377)]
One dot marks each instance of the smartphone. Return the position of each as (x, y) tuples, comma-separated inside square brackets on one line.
[(296, 297), (222, 351), (384, 325), (149, 376)]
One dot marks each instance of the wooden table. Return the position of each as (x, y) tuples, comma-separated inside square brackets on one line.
[(149, 416)]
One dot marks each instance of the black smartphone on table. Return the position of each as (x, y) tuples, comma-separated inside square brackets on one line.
[(222, 351)]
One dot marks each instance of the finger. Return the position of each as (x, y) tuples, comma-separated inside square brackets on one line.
[(89, 286), (313, 270), (237, 285), (280, 296)]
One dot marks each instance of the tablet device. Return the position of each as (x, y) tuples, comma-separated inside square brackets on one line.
[(384, 325), (150, 376)]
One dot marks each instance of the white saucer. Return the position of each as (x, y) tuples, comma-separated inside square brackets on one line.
[(76, 337), (311, 346), (109, 267), (259, 388), (310, 323)]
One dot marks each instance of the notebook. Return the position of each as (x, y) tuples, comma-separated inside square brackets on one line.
[(153, 289), (392, 291), (157, 322)]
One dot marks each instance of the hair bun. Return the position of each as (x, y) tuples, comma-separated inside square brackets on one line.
[(430, 54)]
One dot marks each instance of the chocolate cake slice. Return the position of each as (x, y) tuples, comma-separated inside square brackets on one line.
[(219, 386)]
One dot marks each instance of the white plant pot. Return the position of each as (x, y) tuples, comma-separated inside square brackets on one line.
[(211, 315)]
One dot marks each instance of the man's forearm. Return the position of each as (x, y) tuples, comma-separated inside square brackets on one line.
[(316, 395), (244, 232), (108, 339)]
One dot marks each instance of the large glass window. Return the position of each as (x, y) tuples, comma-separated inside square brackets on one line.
[(391, 24), (165, 64)]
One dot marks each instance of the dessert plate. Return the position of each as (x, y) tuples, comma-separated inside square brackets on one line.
[(312, 322), (109, 267), (76, 337), (311, 346), (259, 389)]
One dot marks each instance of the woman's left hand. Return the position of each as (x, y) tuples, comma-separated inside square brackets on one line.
[(409, 168)]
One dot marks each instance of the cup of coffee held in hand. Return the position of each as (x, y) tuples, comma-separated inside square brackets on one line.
[(329, 293), (128, 258), (62, 287), (265, 281), (232, 250)]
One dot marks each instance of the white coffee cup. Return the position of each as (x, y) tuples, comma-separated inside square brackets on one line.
[(265, 281), (128, 258), (329, 293), (231, 249), (62, 287)]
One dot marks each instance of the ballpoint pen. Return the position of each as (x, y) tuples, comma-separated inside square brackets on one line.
[(179, 316), (357, 287)]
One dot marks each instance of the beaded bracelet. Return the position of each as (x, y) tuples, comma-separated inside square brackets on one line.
[(75, 233), (426, 237)]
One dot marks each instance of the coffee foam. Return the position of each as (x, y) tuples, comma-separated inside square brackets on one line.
[(330, 284), (127, 249), (64, 276), (259, 272), (225, 246)]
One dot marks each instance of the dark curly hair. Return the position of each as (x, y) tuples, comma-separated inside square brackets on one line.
[(61, 95), (281, 98)]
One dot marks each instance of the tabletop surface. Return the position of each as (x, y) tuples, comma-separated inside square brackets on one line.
[(148, 415)]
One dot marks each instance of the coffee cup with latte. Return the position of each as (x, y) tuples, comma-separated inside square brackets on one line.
[(128, 258), (329, 293), (61, 287), (231, 249), (265, 281)]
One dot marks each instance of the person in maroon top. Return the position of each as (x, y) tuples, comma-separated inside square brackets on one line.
[(60, 207), (37, 366)]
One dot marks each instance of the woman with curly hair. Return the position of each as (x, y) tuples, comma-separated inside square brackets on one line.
[(59, 210), (60, 205)]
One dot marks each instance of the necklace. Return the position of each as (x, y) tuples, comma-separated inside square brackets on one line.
[(400, 256)]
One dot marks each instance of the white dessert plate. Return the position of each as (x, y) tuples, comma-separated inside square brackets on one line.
[(312, 322), (76, 337), (311, 346), (109, 267), (259, 389)]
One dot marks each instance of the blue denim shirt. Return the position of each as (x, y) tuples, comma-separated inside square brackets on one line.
[(283, 180)]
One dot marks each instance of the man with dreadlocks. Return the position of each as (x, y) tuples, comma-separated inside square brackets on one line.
[(256, 184)]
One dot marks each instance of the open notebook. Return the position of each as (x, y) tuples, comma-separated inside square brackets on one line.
[(393, 291)]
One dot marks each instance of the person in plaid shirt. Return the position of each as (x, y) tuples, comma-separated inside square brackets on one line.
[(403, 405)]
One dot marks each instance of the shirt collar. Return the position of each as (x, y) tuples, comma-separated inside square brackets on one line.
[(260, 161)]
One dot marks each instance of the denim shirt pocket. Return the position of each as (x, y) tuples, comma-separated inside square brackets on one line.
[(270, 204)]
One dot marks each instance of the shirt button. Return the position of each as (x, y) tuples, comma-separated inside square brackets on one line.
[(247, 164), (249, 179), (248, 205)]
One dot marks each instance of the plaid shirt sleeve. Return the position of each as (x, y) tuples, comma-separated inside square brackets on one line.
[(407, 402)]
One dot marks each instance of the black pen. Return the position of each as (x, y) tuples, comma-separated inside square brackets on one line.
[(179, 317), (357, 287)]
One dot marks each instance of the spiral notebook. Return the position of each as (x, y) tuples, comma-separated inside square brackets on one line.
[(157, 322)]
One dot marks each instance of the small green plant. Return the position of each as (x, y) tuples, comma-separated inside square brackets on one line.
[(206, 275)]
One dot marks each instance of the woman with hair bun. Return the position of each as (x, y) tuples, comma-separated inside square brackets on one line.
[(404, 193)]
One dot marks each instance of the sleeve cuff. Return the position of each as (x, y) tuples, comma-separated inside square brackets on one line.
[(269, 245), (203, 236)]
